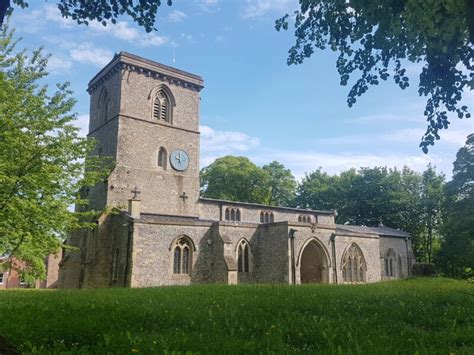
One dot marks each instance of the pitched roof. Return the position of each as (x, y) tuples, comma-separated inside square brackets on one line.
[(382, 231)]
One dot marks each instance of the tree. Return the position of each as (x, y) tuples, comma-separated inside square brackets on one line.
[(321, 191), (376, 38), (282, 184), (456, 256), (431, 202), (236, 179), (41, 160), (143, 12)]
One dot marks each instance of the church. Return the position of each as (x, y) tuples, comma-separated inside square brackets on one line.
[(157, 229)]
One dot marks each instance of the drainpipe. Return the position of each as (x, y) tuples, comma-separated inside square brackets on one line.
[(292, 251), (333, 247), (408, 259)]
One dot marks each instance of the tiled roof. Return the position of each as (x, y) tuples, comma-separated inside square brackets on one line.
[(381, 231)]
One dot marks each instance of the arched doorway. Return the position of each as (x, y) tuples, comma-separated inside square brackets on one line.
[(314, 264)]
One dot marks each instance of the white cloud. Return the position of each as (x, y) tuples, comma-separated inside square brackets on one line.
[(226, 142), (208, 5), (123, 31), (52, 13), (259, 8), (89, 55), (58, 65), (176, 16), (82, 123)]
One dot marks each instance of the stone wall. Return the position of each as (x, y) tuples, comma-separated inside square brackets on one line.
[(402, 263), (215, 210), (369, 245), (272, 255), (153, 254)]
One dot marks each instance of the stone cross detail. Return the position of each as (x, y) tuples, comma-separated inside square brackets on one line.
[(184, 196), (135, 192)]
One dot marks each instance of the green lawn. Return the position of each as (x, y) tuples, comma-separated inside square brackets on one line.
[(418, 315)]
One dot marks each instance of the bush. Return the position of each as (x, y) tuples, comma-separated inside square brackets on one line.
[(424, 269)]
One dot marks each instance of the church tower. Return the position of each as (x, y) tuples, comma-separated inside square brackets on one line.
[(145, 115)]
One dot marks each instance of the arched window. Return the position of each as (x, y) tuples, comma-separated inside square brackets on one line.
[(162, 157), (353, 264), (262, 217), (243, 257), (103, 105), (182, 256), (304, 219), (232, 214), (162, 106), (390, 258), (272, 217)]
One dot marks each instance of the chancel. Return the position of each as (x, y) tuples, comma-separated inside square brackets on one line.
[(145, 115)]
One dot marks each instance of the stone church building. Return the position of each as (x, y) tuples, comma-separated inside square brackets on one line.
[(159, 231)]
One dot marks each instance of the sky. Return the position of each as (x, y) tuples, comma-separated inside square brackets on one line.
[(253, 103)]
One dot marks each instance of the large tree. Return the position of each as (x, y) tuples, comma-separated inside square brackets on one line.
[(431, 202), (282, 184), (143, 12), (41, 159), (236, 179), (378, 39), (456, 256)]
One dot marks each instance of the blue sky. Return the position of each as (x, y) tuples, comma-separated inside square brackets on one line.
[(253, 104)]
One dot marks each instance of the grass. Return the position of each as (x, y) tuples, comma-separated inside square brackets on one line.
[(408, 316)]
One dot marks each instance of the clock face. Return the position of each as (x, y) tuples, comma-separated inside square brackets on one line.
[(179, 160)]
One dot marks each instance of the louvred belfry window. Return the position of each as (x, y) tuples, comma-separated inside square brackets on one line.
[(161, 107)]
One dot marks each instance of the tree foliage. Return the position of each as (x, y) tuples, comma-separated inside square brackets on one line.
[(41, 159), (376, 40), (143, 12), (236, 179), (456, 257), (282, 184)]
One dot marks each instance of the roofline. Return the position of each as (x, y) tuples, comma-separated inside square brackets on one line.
[(382, 235), (128, 58), (331, 212)]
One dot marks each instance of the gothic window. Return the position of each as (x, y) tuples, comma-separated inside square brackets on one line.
[(232, 214), (390, 258), (353, 264), (162, 107), (182, 256), (267, 217), (162, 158), (304, 219), (243, 257), (1, 278), (103, 106)]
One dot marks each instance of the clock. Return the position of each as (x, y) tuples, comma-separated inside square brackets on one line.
[(179, 160)]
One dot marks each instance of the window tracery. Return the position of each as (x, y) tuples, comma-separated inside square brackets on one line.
[(353, 264), (182, 256), (243, 257), (162, 107)]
